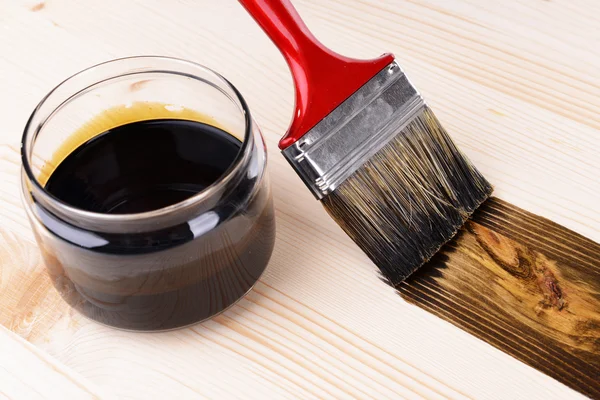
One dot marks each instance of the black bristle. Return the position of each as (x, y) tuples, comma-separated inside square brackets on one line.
[(409, 199)]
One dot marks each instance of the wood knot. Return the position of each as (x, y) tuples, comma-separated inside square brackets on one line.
[(38, 7), (505, 252), (550, 287)]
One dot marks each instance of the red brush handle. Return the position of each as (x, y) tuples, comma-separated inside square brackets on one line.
[(323, 78)]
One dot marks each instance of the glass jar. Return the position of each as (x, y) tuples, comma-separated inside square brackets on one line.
[(168, 267)]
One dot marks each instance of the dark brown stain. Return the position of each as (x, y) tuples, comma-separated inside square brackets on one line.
[(550, 287), (524, 284), (38, 7)]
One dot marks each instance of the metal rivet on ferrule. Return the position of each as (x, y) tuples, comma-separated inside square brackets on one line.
[(337, 146)]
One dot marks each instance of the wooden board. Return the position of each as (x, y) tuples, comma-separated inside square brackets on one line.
[(516, 84), (523, 284), (29, 373)]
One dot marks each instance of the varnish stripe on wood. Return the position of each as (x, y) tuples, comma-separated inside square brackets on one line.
[(501, 337), (495, 328), (543, 238), (496, 319), (510, 219), (550, 231), (551, 242), (524, 285), (506, 343), (539, 243), (507, 221), (514, 214)]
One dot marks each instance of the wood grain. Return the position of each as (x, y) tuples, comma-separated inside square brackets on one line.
[(514, 82), (523, 284), (30, 373)]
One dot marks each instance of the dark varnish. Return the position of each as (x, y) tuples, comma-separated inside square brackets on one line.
[(523, 284), (178, 274), (143, 166)]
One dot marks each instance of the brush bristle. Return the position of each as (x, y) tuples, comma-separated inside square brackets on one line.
[(409, 199)]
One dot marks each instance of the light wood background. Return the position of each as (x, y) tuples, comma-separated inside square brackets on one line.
[(516, 83)]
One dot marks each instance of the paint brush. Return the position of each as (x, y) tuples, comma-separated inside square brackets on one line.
[(368, 147)]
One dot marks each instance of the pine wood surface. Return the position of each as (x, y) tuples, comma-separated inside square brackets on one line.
[(516, 84), (27, 372)]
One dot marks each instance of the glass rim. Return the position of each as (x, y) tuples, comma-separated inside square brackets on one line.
[(30, 134)]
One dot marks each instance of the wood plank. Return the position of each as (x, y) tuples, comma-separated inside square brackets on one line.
[(29, 373), (524, 284), (514, 83)]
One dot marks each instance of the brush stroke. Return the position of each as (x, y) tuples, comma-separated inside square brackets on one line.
[(523, 284)]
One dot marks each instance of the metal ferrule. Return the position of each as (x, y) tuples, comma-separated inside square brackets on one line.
[(357, 129)]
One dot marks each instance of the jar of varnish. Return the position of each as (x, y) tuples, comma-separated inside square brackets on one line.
[(145, 183)]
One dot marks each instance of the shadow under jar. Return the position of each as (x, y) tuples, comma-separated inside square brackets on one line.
[(144, 181)]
